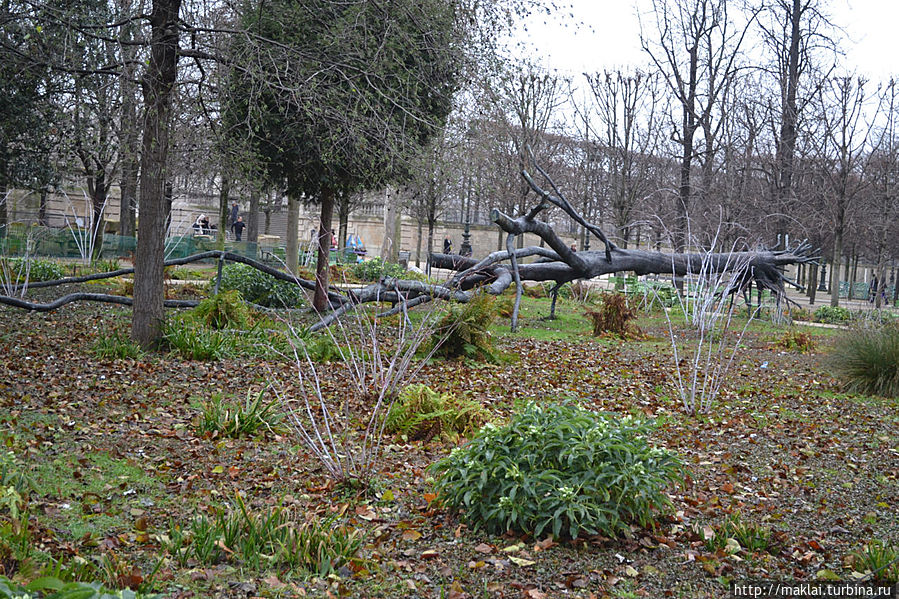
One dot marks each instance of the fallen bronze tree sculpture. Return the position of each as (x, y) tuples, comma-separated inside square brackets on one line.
[(556, 263)]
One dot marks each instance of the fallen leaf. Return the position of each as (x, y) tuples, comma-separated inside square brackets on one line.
[(411, 535), (483, 548), (520, 561)]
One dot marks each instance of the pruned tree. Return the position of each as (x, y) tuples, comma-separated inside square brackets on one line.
[(361, 86)]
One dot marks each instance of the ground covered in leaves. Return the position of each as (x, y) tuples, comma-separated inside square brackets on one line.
[(117, 459)]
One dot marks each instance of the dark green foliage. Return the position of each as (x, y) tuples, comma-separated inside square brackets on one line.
[(867, 359), (558, 469), (832, 315), (51, 587), (17, 270), (369, 84), (226, 310), (466, 329), (375, 269), (260, 288), (614, 317), (233, 419), (274, 538), (420, 413)]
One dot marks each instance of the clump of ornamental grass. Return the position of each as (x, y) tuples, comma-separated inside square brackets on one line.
[(867, 360)]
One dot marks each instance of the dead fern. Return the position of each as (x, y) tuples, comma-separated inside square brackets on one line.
[(614, 318)]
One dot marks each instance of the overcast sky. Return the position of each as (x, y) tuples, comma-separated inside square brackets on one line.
[(610, 36)]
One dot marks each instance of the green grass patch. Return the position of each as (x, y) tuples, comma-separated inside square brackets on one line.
[(93, 491)]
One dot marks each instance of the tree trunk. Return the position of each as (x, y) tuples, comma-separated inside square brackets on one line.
[(320, 298), (343, 218), (418, 245), (431, 223), (292, 243), (853, 273), (253, 218), (224, 198), (98, 207), (812, 283), (162, 71), (42, 208), (836, 263), (390, 245)]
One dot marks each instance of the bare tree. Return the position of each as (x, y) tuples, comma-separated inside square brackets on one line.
[(843, 149), (695, 47), (627, 105)]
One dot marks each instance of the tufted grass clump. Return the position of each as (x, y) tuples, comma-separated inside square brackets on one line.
[(867, 360), (222, 418), (558, 469), (117, 346), (226, 310), (877, 559)]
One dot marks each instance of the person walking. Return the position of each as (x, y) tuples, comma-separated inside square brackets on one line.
[(447, 245), (238, 227)]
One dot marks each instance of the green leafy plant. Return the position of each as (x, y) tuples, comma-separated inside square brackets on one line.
[(832, 315), (226, 310), (117, 346), (867, 360), (559, 469), (50, 587), (111, 265), (468, 330), (18, 270), (794, 340), (193, 341), (233, 419), (274, 538), (420, 413), (878, 560), (375, 269), (614, 317), (260, 288), (749, 536)]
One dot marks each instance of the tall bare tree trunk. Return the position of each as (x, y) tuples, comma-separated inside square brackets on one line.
[(253, 218), (162, 71), (320, 298), (292, 243), (836, 262), (418, 245), (224, 198)]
